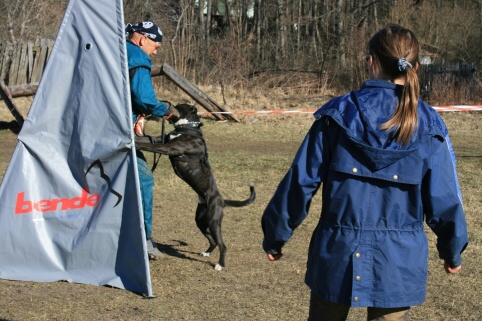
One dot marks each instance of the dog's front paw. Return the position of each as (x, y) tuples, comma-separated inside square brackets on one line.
[(205, 253), (218, 267)]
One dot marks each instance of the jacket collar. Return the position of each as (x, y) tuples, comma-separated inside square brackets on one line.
[(354, 112), (379, 83)]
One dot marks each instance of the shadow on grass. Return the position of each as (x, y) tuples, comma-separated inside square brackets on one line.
[(11, 125), (173, 250)]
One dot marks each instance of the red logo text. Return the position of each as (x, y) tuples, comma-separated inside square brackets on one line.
[(24, 206)]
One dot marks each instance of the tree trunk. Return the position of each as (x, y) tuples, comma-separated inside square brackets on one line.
[(257, 27), (340, 38), (281, 29), (298, 24), (207, 29)]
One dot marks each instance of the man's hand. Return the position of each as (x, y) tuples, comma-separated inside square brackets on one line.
[(172, 114), (451, 270)]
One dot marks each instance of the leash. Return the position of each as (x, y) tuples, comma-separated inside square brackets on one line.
[(156, 161), (139, 130), (163, 130)]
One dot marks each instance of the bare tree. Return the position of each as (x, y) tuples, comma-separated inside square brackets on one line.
[(21, 17), (281, 28), (309, 36)]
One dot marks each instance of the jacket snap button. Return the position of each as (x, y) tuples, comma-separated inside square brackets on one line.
[(355, 299), (357, 255), (395, 177), (358, 278), (354, 170)]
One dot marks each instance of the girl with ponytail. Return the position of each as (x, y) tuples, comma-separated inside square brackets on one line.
[(385, 164)]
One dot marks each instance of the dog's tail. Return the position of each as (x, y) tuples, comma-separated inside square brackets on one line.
[(247, 201)]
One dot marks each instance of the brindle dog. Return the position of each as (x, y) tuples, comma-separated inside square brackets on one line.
[(188, 153)]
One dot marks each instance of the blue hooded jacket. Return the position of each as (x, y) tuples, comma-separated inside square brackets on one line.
[(143, 96), (369, 247)]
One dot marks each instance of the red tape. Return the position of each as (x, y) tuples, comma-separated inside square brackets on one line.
[(259, 112)]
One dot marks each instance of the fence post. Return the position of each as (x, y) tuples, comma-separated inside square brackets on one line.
[(23, 62)]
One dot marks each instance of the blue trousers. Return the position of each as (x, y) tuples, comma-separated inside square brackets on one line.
[(146, 179)]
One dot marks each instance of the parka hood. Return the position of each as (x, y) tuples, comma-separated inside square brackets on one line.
[(360, 113)]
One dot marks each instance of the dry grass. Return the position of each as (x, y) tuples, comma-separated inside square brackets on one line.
[(260, 149)]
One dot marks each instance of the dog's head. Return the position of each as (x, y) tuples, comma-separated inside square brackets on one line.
[(187, 116)]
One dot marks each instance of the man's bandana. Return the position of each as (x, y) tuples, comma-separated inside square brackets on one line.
[(146, 28)]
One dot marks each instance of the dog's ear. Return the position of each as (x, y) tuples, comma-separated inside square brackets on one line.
[(193, 109)]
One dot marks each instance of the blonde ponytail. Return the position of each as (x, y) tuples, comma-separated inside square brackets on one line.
[(396, 49), (405, 118)]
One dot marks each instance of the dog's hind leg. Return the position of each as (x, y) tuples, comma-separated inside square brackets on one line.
[(215, 228), (202, 223), (208, 220), (215, 214)]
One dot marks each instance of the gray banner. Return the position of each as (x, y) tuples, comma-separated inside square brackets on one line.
[(70, 201)]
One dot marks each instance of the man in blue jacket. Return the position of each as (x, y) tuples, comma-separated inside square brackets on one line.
[(143, 40)]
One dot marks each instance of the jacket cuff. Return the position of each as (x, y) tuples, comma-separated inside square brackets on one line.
[(453, 261), (272, 247)]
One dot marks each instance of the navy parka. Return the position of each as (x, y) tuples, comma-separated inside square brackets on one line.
[(369, 247)]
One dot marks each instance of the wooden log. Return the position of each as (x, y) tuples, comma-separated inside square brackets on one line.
[(5, 94), (156, 70), (185, 86), (194, 92), (22, 90)]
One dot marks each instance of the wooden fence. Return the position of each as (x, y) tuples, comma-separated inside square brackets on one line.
[(451, 83), (23, 62)]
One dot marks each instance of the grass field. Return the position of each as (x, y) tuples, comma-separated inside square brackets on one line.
[(258, 149)]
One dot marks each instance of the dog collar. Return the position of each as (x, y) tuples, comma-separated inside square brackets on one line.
[(191, 131), (192, 124)]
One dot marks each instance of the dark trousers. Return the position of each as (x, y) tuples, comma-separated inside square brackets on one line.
[(323, 310)]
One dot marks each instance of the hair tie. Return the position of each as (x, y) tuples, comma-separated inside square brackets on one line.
[(403, 64)]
